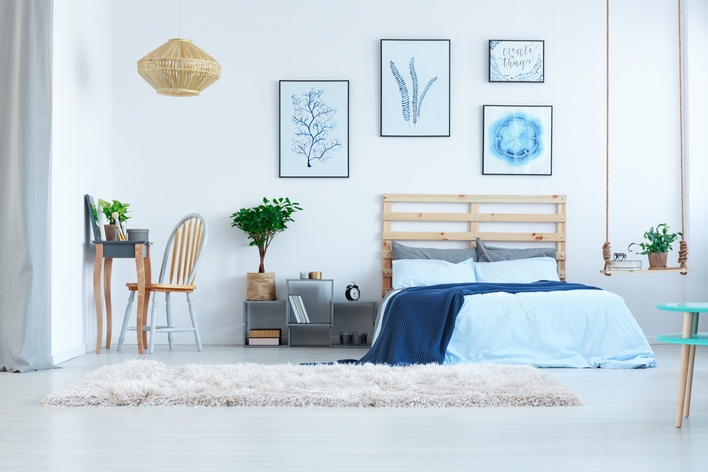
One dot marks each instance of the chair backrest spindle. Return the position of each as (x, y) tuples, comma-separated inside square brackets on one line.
[(188, 249), (174, 256)]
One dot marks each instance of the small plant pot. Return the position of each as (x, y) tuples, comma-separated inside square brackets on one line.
[(260, 286), (111, 233), (657, 259)]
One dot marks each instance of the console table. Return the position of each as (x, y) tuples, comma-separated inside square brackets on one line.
[(689, 338), (108, 250)]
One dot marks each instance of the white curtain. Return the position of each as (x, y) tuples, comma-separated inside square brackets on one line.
[(25, 166)]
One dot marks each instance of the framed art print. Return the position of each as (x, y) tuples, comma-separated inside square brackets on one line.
[(415, 87), (517, 140), (516, 61), (314, 128)]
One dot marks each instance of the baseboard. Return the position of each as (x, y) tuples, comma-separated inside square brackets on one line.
[(68, 354)]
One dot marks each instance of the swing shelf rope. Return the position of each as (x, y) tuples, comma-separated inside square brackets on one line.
[(606, 249)]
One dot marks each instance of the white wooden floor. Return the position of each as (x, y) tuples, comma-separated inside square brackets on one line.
[(627, 425)]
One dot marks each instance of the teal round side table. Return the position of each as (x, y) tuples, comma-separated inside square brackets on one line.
[(689, 338)]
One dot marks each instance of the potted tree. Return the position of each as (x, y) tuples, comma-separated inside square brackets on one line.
[(657, 245), (261, 224), (116, 213)]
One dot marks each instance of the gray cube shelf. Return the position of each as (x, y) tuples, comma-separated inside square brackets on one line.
[(327, 317), (264, 315), (317, 297), (353, 317)]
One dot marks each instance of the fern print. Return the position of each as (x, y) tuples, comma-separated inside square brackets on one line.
[(414, 79), (425, 90), (405, 101)]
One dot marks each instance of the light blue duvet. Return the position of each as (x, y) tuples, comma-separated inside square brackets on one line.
[(580, 328)]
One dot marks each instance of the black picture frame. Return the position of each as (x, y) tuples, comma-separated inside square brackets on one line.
[(92, 214), (521, 61), (415, 72), (517, 140), (302, 151)]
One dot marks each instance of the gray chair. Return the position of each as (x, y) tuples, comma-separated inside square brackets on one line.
[(182, 254)]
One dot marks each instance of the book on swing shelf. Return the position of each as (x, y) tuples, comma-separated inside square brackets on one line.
[(626, 265)]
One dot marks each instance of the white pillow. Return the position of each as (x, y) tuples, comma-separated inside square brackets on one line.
[(521, 271), (418, 272)]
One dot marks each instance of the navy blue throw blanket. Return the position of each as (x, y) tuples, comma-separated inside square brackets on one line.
[(418, 322)]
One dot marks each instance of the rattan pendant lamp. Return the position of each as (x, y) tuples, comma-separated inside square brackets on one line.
[(606, 250), (179, 68)]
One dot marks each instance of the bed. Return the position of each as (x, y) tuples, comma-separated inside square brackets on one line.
[(452, 246)]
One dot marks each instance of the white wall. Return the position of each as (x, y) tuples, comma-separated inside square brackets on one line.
[(219, 152), (81, 163)]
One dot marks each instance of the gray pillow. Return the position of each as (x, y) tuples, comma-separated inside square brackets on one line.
[(495, 254), (401, 251)]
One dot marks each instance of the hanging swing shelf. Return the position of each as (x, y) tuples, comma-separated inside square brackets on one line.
[(646, 271), (606, 249)]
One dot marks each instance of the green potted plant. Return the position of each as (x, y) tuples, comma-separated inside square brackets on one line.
[(116, 213), (657, 245), (261, 223)]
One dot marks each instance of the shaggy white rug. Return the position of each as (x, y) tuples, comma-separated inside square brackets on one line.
[(152, 383)]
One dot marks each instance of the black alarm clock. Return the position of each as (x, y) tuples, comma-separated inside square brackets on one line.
[(352, 292)]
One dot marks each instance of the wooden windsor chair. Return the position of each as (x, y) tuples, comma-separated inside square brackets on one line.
[(182, 253)]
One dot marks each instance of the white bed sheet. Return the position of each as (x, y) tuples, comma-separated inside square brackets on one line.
[(578, 328)]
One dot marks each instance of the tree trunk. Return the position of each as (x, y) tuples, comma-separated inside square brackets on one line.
[(262, 253)]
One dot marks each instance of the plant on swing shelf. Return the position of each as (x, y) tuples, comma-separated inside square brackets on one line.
[(657, 245), (261, 224)]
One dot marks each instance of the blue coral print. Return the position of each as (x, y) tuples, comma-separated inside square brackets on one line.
[(516, 139)]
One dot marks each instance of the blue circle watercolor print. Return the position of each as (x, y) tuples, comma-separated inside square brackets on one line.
[(516, 139)]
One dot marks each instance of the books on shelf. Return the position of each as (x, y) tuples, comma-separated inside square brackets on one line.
[(256, 341), (264, 333), (264, 337), (303, 311), (626, 265), (294, 309), (298, 308)]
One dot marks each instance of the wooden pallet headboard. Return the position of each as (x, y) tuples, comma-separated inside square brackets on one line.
[(544, 211)]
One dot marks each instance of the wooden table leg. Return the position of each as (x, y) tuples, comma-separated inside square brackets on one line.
[(107, 270), (689, 375), (97, 263), (148, 279), (140, 268), (683, 373)]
